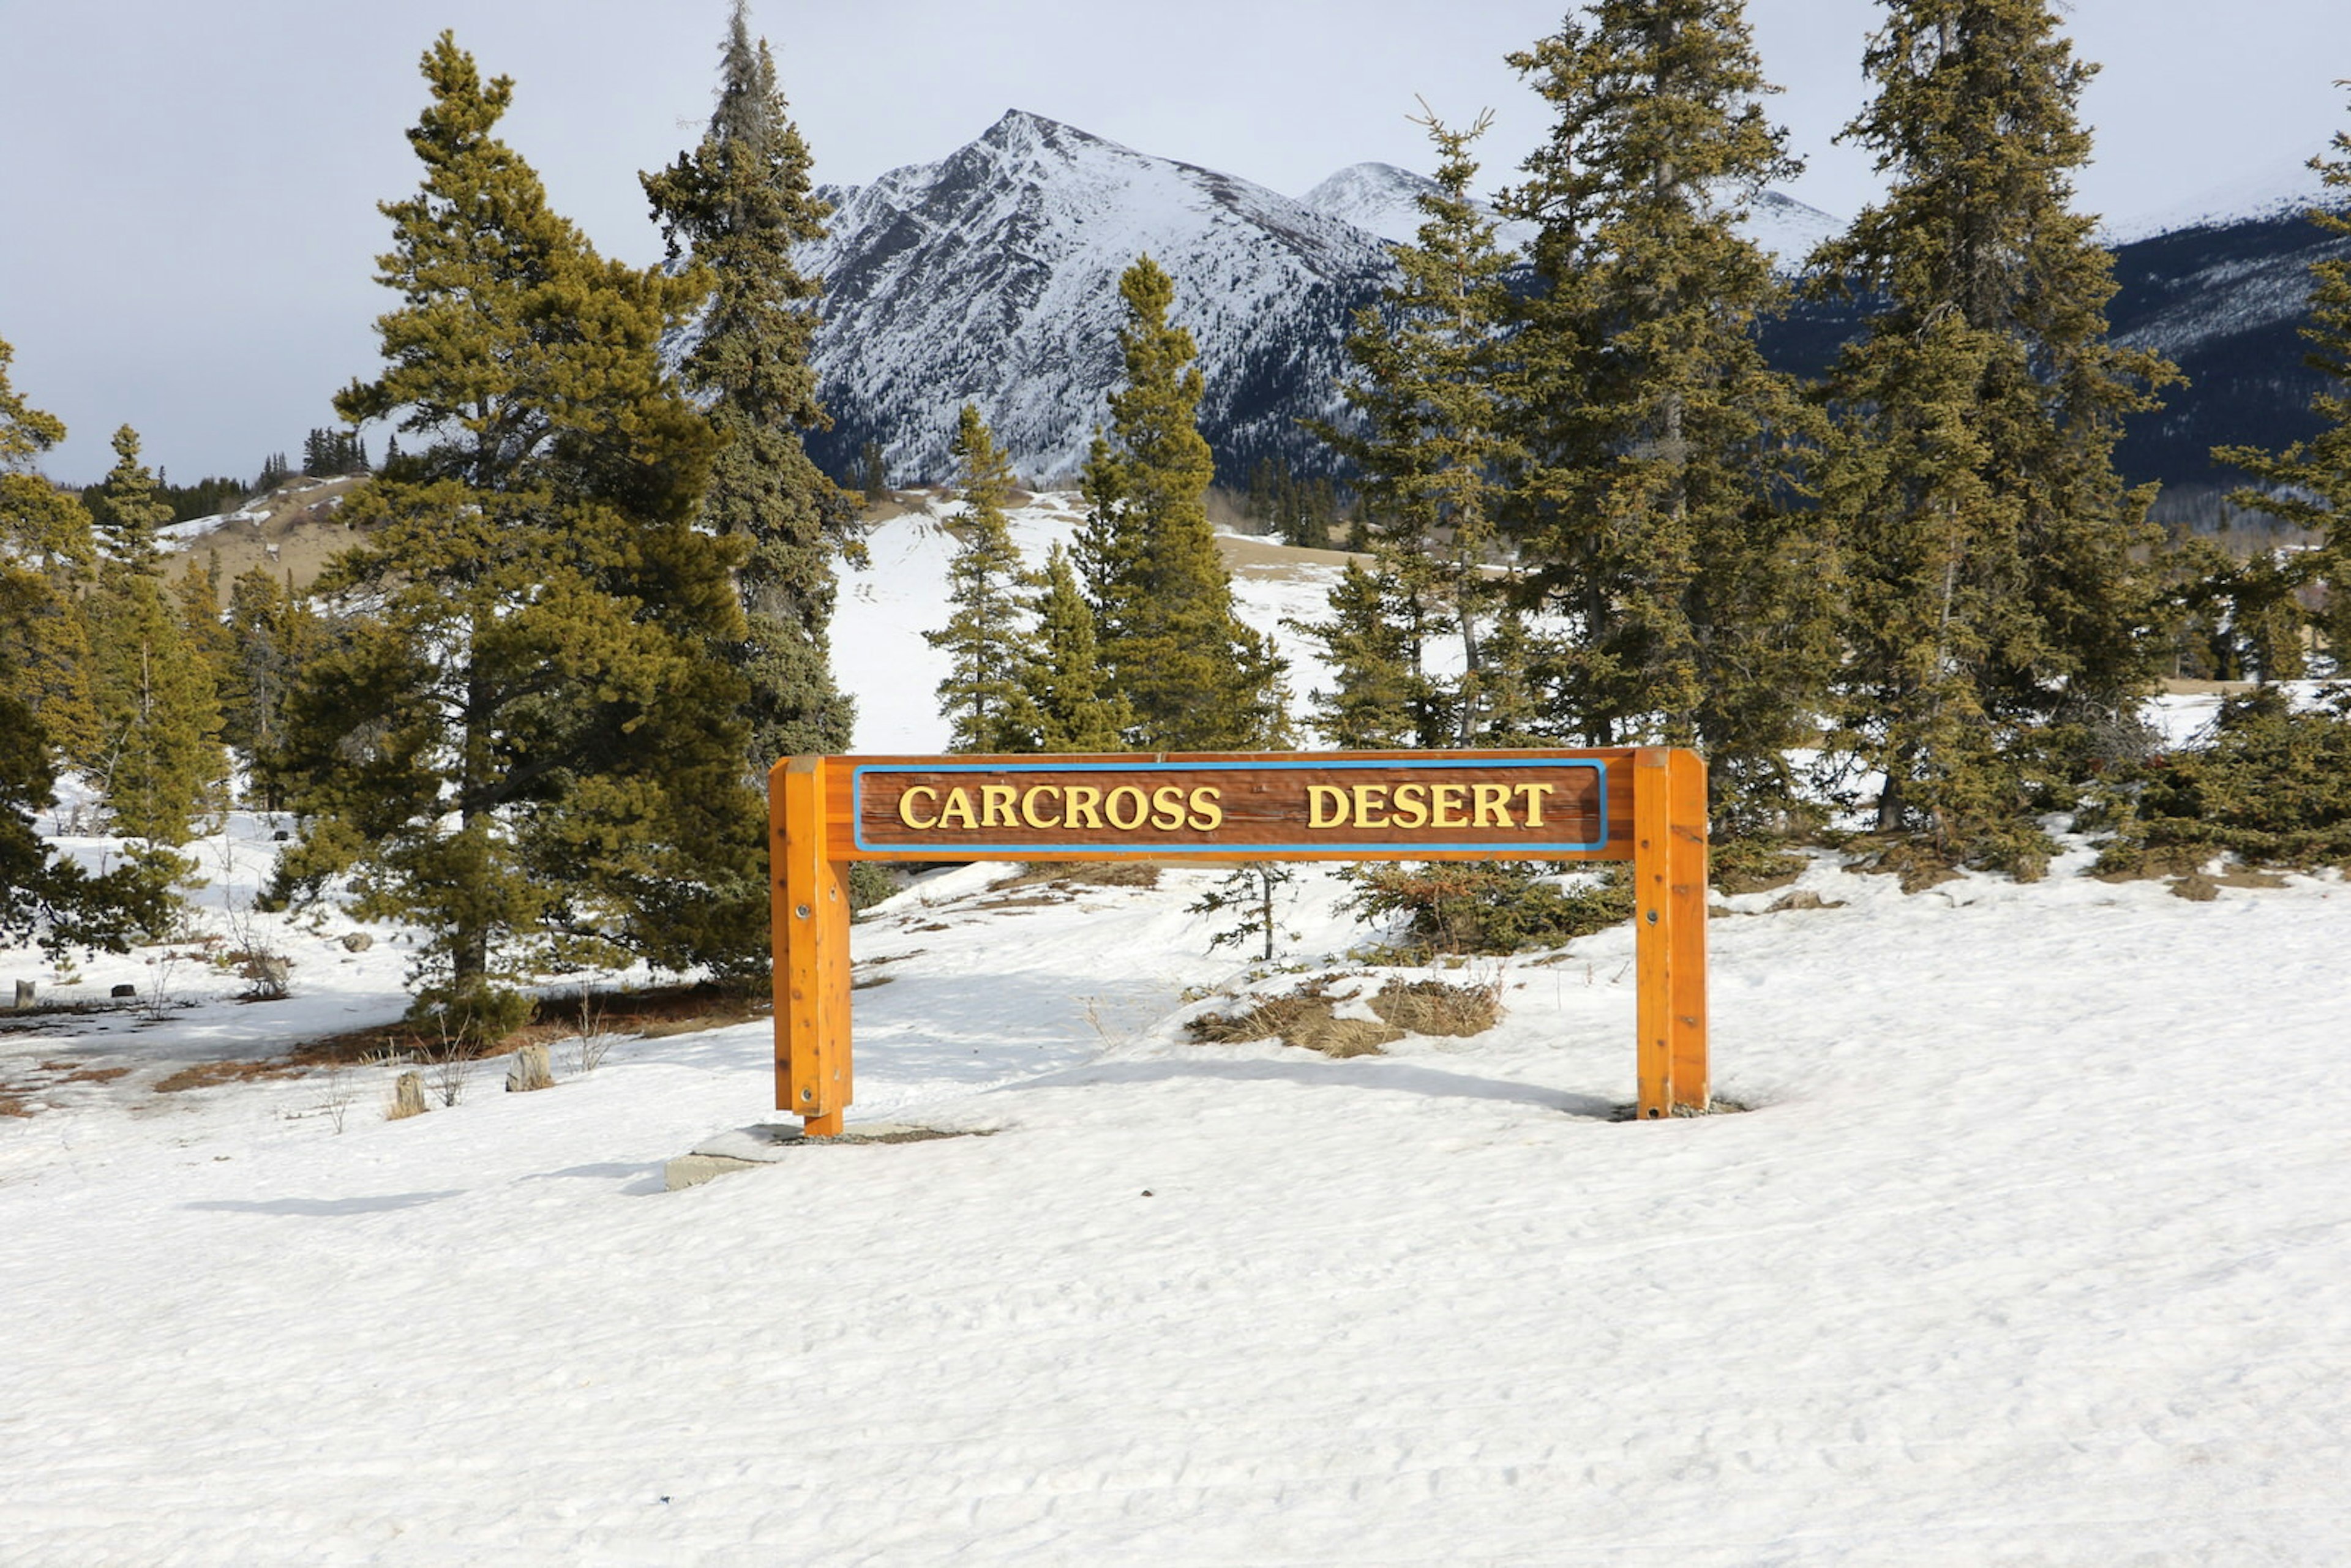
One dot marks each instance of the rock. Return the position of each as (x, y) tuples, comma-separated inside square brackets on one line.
[(407, 1097), (1803, 898), (358, 941), (123, 992), (530, 1070)]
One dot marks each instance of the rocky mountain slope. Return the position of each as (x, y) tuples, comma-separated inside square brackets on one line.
[(991, 277)]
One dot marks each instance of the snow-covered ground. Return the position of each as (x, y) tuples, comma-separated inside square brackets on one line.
[(2033, 1246)]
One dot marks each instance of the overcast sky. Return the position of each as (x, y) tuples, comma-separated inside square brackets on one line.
[(189, 226)]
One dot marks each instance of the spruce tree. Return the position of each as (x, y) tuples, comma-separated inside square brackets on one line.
[(1653, 499), (2309, 483), (125, 508), (1996, 611), (44, 543), (1195, 676), (272, 633), (46, 552), (158, 761), (1381, 697), (1430, 448), (985, 696), (741, 201), (1075, 710), (521, 737)]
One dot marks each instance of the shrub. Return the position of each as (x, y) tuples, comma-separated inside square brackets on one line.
[(2273, 787), (1488, 907)]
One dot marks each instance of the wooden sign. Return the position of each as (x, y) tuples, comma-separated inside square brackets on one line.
[(1647, 805)]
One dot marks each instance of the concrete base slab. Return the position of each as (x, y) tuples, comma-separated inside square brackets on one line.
[(745, 1148)]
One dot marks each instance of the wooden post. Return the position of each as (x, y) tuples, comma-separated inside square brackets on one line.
[(810, 928), (1669, 930), (1654, 912), (1685, 855)]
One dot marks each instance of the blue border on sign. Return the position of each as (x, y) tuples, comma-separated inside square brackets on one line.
[(1382, 846)]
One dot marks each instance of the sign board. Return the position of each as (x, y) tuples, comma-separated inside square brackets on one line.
[(1646, 805)]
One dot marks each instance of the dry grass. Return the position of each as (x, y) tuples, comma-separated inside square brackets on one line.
[(1440, 1007), (1304, 1019), (652, 1014), (207, 1074), (1070, 876)]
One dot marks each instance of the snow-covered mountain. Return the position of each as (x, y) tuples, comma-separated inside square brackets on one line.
[(2224, 293), (991, 277), (1383, 200)]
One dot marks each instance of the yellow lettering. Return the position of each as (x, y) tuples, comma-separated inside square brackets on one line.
[(996, 805), (1370, 798), (1326, 806), (1081, 800), (906, 807), (1207, 816), (1029, 812), (1167, 807), (1445, 801), (958, 805), (1412, 806), (1532, 794), (1142, 809), (1491, 804)]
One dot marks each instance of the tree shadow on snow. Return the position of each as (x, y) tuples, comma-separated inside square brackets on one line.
[(323, 1207), (1399, 1077)]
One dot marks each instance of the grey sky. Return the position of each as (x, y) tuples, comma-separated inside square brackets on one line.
[(188, 238)]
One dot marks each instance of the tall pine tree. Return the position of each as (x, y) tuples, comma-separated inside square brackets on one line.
[(46, 553), (985, 696), (159, 759), (1655, 503), (1075, 710), (741, 201), (2309, 483), (1997, 615), (44, 536), (1195, 676), (523, 740), (1429, 450)]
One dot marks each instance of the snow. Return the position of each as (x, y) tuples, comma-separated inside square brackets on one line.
[(2033, 1246), (2283, 189), (1383, 200)]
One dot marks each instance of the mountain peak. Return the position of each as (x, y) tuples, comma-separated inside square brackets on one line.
[(991, 277)]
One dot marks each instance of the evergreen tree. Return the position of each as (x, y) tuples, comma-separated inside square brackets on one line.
[(1382, 699), (1195, 677), (272, 631), (125, 508), (1075, 711), (1653, 501), (2309, 483), (158, 759), (46, 550), (525, 743), (985, 695), (741, 199), (1430, 447), (44, 540), (1996, 610)]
